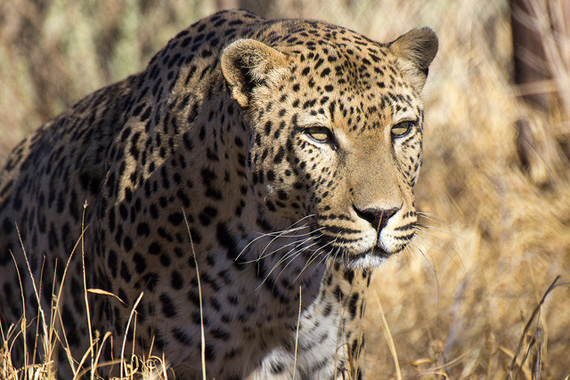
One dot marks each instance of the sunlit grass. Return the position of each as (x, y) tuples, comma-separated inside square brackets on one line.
[(53, 336)]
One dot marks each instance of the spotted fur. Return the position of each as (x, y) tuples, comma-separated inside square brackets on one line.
[(270, 162)]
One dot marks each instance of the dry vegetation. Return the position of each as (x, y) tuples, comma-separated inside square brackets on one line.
[(494, 236)]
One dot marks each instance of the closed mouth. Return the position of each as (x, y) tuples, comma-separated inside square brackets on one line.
[(376, 251)]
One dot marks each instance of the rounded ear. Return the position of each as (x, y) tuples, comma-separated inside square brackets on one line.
[(417, 49), (247, 64)]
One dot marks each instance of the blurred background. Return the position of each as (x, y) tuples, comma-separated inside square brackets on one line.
[(494, 191)]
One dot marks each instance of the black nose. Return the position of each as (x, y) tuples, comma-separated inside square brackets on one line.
[(376, 217)]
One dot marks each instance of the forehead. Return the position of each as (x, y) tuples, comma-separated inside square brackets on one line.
[(359, 78)]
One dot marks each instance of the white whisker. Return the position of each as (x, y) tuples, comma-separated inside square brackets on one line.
[(277, 234), (297, 254), (430, 262), (293, 252), (313, 257)]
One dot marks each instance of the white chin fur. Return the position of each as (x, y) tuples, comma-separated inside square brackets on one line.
[(367, 262)]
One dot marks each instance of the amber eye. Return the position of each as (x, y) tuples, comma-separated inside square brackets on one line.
[(401, 129), (321, 135)]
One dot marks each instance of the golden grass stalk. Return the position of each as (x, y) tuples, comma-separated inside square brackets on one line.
[(87, 311), (389, 338), (131, 317), (297, 334), (552, 286), (202, 335)]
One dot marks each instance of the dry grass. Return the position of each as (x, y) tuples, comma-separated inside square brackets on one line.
[(132, 367), (494, 237)]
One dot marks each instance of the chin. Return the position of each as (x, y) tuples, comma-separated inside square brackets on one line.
[(373, 258)]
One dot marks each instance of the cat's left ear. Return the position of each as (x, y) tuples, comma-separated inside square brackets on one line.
[(416, 50)]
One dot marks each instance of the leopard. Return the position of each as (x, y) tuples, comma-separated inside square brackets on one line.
[(226, 206)]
